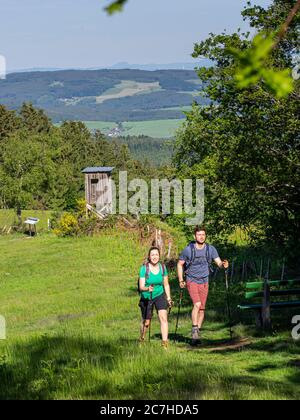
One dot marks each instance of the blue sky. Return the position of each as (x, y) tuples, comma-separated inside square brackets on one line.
[(78, 33)]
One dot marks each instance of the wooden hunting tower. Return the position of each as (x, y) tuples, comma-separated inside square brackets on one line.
[(98, 189)]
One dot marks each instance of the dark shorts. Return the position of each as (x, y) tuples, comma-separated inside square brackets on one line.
[(160, 303)]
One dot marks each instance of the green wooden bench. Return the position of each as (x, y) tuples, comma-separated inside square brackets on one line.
[(260, 293)]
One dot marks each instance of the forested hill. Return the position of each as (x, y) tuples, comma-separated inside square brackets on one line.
[(106, 95)]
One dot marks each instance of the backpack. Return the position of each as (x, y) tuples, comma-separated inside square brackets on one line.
[(188, 264), (147, 274)]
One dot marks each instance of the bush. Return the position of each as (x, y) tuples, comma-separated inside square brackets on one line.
[(67, 226), (55, 219), (77, 223)]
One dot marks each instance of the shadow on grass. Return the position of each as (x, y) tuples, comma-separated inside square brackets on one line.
[(277, 345), (66, 367), (268, 345), (36, 369), (263, 367), (80, 367), (203, 344)]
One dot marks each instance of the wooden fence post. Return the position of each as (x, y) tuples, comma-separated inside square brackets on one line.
[(266, 309)]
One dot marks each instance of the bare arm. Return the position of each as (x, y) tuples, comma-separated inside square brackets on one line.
[(167, 287), (143, 288), (180, 265), (220, 263)]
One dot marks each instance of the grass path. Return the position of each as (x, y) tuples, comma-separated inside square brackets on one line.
[(72, 328)]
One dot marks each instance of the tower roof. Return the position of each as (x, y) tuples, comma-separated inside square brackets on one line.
[(98, 169)]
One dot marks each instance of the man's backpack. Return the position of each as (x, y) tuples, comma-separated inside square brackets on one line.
[(192, 247), (147, 274)]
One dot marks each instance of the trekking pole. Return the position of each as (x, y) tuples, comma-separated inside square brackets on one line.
[(228, 304), (150, 302), (283, 270), (179, 306)]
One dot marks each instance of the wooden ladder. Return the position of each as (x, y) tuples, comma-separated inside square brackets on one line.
[(102, 214)]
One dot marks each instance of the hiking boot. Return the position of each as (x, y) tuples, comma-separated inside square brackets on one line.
[(165, 344), (195, 336), (141, 341)]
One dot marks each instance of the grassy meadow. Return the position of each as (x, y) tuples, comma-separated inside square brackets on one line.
[(154, 128), (72, 316), (128, 88), (158, 129)]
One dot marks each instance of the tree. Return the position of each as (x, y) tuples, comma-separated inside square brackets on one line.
[(34, 119), (254, 63), (246, 144), (9, 122), (22, 170), (40, 165)]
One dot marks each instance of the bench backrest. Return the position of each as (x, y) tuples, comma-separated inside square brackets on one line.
[(257, 288)]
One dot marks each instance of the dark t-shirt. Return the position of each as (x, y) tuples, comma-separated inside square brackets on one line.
[(198, 272)]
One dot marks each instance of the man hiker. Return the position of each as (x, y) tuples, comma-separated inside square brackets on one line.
[(155, 292), (193, 268)]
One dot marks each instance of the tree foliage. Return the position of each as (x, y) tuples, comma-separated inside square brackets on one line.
[(246, 144), (252, 67), (255, 62), (40, 165), (115, 6)]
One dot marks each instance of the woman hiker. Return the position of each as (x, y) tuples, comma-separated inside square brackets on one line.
[(195, 264), (155, 291)]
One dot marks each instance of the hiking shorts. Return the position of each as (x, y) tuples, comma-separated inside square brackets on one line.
[(198, 293), (160, 303)]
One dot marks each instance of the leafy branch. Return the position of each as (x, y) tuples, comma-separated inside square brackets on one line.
[(115, 6), (253, 62)]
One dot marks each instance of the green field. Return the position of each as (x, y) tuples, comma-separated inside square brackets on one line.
[(103, 126), (128, 88), (155, 128), (72, 329)]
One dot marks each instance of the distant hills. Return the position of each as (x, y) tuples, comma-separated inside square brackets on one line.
[(114, 95), (125, 65), (171, 66)]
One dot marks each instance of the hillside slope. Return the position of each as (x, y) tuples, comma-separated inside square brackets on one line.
[(72, 329), (103, 95)]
